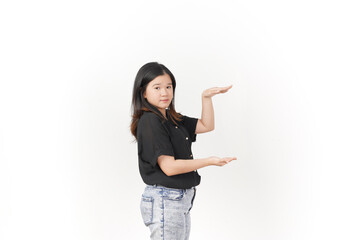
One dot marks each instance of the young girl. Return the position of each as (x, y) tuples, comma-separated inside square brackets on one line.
[(166, 162)]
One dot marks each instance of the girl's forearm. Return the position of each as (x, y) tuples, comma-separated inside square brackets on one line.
[(180, 166), (207, 113)]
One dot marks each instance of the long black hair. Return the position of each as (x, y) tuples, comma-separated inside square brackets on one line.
[(146, 74)]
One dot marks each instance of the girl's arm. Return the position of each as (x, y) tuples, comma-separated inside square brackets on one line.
[(171, 167), (206, 123)]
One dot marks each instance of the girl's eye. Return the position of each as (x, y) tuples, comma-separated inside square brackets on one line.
[(159, 87)]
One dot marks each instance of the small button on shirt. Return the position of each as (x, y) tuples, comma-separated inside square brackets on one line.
[(156, 137)]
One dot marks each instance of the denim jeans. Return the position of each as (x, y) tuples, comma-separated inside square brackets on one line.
[(166, 211)]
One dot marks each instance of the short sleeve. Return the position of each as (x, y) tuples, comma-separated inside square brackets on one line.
[(190, 125), (153, 139)]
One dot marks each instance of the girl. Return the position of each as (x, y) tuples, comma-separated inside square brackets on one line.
[(166, 163)]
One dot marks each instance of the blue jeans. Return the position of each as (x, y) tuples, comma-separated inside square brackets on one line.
[(166, 211)]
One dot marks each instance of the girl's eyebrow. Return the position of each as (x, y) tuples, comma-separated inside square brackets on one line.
[(159, 84)]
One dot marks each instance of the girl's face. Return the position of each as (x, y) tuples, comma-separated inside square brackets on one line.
[(159, 92)]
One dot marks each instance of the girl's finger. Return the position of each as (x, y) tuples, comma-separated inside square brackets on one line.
[(228, 87), (224, 89)]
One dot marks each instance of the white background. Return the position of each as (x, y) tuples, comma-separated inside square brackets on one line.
[(68, 166)]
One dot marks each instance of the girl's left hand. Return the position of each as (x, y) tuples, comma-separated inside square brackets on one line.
[(208, 93)]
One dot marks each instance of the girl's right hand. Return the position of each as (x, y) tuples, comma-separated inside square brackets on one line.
[(221, 161)]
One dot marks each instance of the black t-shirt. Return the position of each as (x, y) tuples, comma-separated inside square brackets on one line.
[(155, 137)]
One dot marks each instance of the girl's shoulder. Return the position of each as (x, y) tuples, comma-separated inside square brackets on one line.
[(149, 115), (149, 119)]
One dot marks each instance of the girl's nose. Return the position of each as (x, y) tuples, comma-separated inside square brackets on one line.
[(163, 92)]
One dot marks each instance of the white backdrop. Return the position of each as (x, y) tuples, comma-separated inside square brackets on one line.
[(68, 166)]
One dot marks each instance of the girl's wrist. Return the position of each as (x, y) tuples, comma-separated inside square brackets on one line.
[(204, 95), (210, 161)]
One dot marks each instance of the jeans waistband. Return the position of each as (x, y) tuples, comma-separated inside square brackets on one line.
[(161, 186)]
